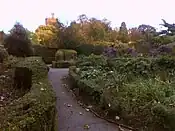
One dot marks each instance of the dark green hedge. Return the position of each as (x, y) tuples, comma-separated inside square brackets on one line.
[(88, 49), (48, 54), (36, 110), (65, 54), (63, 64)]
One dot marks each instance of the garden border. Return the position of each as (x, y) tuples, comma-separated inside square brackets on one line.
[(77, 84), (36, 110)]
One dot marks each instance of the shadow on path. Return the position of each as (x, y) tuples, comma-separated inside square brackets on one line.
[(71, 116)]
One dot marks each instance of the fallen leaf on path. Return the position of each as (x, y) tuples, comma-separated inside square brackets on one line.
[(86, 126), (68, 105), (121, 129), (42, 89), (64, 85), (40, 83), (2, 98), (87, 109), (89, 106), (117, 117)]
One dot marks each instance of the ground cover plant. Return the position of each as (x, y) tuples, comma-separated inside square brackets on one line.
[(139, 90)]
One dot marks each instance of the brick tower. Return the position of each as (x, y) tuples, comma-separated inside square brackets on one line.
[(51, 21)]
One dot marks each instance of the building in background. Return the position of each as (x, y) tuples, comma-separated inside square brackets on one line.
[(51, 21)]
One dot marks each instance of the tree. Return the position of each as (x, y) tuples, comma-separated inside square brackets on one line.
[(170, 30), (17, 42), (147, 31), (134, 34), (32, 36), (82, 18), (73, 35), (123, 33), (48, 35)]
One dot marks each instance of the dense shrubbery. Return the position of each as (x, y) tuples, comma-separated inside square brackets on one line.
[(17, 42), (139, 90)]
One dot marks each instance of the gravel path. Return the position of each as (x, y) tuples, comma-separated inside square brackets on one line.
[(71, 116)]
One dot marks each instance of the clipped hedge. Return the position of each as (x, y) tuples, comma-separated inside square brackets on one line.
[(63, 64), (48, 54), (35, 111), (65, 54), (88, 49)]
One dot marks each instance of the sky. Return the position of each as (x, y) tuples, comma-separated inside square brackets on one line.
[(32, 13)]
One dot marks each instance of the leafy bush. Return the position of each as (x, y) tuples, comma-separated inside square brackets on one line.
[(163, 40), (139, 90), (85, 49), (98, 49), (18, 43)]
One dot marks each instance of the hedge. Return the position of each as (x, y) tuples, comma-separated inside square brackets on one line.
[(48, 54), (65, 54), (88, 49), (36, 110), (63, 64)]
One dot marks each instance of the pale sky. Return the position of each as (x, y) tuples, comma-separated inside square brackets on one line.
[(32, 13)]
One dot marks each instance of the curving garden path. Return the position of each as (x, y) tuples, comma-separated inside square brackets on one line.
[(71, 116)]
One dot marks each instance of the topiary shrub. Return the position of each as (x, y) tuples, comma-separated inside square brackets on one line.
[(63, 64), (17, 42), (59, 55), (22, 78), (70, 54), (63, 54)]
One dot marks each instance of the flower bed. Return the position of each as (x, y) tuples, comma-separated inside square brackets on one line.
[(139, 91)]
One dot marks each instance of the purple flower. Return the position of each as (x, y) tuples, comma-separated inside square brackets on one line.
[(131, 52), (164, 49), (110, 52)]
